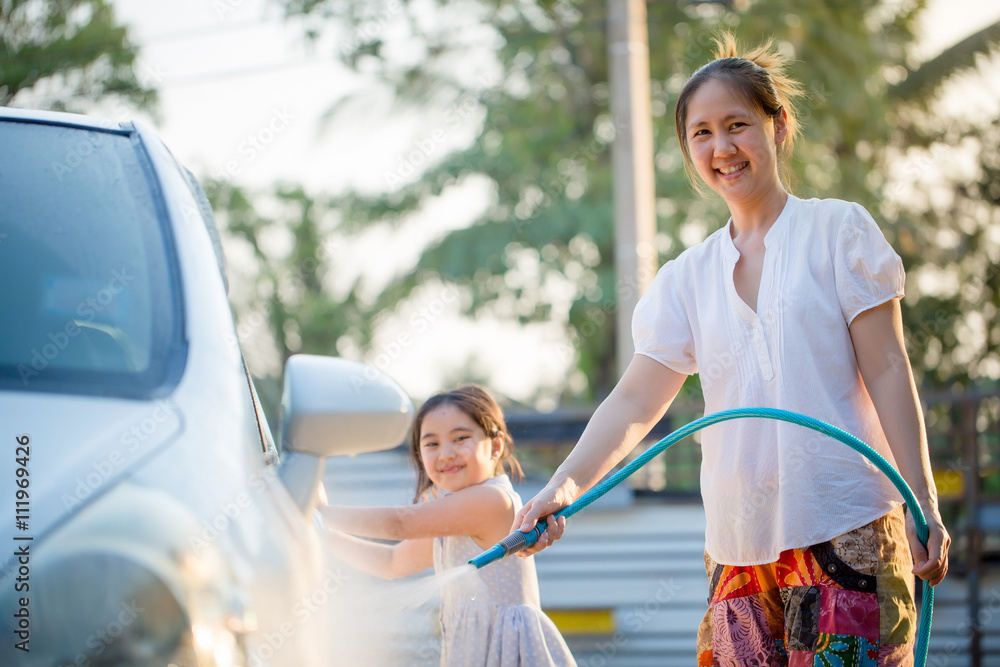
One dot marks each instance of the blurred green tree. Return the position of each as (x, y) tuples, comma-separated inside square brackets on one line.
[(292, 281), (546, 126), (74, 51), (946, 208), (283, 284)]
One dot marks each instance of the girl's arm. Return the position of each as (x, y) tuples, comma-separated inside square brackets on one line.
[(388, 561), (634, 406), (885, 368), (482, 512)]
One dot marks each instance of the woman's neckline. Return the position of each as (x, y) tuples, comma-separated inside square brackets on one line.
[(763, 222)]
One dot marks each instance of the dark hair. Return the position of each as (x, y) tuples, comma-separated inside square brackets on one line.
[(758, 76), (474, 401)]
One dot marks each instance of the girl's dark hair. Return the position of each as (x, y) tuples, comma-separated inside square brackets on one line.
[(474, 401), (758, 76)]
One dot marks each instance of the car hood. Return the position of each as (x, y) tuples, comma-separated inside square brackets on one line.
[(78, 447)]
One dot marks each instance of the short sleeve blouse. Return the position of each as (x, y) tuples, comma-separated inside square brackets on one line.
[(826, 261)]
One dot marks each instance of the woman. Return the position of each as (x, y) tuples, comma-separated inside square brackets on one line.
[(793, 304)]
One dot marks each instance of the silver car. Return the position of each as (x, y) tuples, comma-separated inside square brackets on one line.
[(148, 518)]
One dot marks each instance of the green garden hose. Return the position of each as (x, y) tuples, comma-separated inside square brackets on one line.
[(518, 540)]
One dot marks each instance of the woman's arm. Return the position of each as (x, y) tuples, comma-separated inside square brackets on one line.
[(634, 406), (877, 334), (482, 512), (382, 560)]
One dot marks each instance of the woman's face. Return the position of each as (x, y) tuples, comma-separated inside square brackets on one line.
[(733, 145), (455, 451)]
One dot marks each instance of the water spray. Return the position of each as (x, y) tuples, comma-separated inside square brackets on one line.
[(521, 540)]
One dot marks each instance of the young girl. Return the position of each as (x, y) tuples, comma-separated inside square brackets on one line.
[(793, 304), (464, 504)]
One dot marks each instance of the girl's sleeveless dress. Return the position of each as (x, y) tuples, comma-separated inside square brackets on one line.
[(493, 617)]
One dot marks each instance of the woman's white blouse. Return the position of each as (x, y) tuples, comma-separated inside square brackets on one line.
[(769, 486)]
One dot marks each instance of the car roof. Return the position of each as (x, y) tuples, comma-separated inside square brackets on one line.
[(65, 119)]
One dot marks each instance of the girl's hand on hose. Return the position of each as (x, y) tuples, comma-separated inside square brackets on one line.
[(548, 501), (930, 563)]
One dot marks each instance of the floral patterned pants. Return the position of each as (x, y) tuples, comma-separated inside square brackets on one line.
[(845, 603)]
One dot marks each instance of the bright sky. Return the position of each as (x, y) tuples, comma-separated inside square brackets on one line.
[(242, 98)]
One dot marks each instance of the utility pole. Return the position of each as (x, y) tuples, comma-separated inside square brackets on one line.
[(632, 161)]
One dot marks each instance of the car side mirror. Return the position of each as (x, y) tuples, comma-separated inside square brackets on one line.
[(334, 407)]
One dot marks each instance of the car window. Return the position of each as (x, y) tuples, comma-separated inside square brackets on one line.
[(87, 288)]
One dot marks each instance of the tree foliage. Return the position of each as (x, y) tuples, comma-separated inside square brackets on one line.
[(948, 233), (281, 252), (292, 247), (74, 48), (546, 128), (945, 209)]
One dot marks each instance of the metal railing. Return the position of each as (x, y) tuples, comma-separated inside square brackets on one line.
[(964, 436)]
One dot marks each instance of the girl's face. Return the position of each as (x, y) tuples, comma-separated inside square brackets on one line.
[(733, 145), (455, 451)]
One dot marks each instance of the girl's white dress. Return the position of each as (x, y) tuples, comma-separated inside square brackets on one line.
[(493, 617)]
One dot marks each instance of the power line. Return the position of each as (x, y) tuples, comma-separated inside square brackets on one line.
[(202, 31), (188, 80), (209, 77)]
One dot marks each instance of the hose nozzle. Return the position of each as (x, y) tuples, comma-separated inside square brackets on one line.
[(516, 541)]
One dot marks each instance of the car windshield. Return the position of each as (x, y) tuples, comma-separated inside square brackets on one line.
[(87, 300)]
